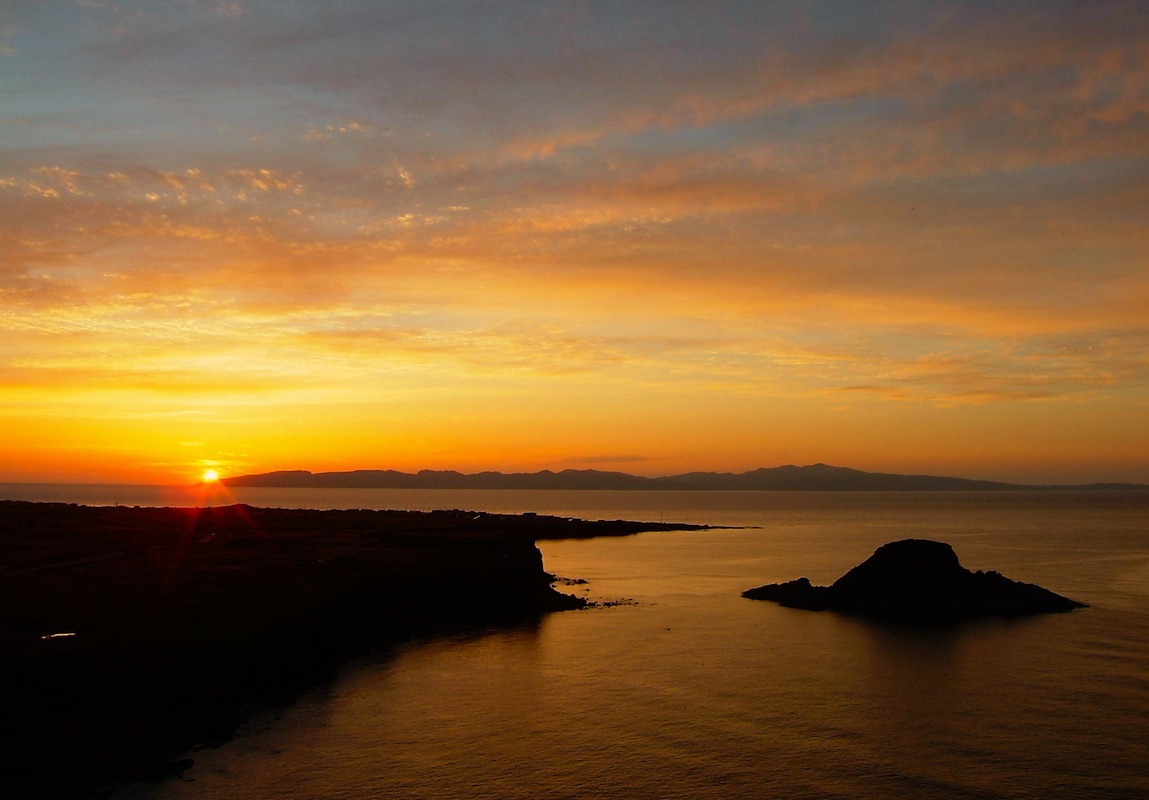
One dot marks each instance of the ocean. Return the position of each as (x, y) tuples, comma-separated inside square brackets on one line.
[(677, 687)]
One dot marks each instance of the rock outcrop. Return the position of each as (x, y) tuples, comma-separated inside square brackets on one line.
[(917, 579)]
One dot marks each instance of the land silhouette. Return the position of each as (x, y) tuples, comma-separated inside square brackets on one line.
[(130, 635), (815, 477), (917, 579)]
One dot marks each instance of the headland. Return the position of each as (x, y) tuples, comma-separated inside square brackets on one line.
[(130, 635)]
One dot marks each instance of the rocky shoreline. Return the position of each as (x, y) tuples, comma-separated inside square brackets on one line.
[(130, 635)]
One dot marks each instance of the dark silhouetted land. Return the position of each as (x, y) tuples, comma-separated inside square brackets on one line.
[(129, 635), (817, 477), (921, 580)]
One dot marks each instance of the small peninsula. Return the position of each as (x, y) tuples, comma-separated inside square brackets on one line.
[(130, 635), (921, 580)]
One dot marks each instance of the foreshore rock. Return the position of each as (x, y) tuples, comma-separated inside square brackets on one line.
[(921, 580), (129, 635)]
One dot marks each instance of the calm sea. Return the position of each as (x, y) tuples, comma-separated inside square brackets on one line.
[(686, 690)]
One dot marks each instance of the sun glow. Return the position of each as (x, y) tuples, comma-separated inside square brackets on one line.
[(622, 275)]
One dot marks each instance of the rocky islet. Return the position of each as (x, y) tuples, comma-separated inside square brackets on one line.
[(917, 579)]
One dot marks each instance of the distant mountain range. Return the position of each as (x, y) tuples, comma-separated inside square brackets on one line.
[(817, 477)]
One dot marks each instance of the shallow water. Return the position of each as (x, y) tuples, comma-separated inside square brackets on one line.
[(690, 691)]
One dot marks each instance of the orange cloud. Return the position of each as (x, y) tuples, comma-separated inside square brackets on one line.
[(751, 233)]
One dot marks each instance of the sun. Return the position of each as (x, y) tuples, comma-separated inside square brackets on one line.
[(210, 476)]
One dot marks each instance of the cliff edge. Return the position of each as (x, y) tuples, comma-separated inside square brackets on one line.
[(130, 635)]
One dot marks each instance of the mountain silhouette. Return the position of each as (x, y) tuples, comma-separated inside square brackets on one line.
[(816, 477)]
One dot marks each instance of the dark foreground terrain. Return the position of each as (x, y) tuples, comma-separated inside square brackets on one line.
[(130, 635)]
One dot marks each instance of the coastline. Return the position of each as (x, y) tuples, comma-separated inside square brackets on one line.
[(132, 635)]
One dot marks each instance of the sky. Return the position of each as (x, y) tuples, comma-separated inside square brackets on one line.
[(651, 237)]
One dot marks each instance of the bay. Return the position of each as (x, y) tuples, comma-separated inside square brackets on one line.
[(686, 690)]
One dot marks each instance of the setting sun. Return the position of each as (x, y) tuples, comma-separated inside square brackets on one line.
[(677, 258), (332, 333)]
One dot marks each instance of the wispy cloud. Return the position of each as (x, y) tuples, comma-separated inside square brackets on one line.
[(930, 205)]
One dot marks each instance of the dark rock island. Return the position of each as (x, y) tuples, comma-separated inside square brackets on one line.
[(921, 580), (130, 635)]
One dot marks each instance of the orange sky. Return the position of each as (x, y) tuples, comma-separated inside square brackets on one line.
[(906, 237)]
